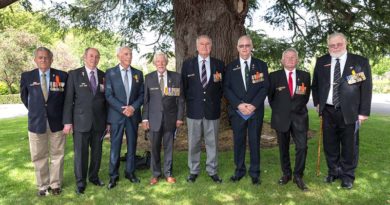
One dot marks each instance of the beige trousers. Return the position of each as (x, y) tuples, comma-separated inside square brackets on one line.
[(47, 155)]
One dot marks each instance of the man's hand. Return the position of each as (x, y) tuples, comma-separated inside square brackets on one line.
[(362, 118), (246, 108), (108, 128), (179, 123), (128, 110), (67, 129), (145, 125)]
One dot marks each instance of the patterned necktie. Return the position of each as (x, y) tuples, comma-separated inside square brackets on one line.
[(127, 88), (44, 86), (290, 83), (336, 84), (246, 75), (92, 81), (162, 85), (204, 74)]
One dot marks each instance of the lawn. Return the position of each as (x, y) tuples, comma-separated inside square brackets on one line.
[(372, 185)]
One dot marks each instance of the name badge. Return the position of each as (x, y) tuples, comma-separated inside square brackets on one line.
[(190, 75), (257, 78), (281, 88), (154, 89), (356, 77), (83, 85), (101, 88), (35, 84), (217, 77), (301, 89)]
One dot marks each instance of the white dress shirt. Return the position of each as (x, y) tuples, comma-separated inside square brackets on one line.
[(207, 64), (88, 70), (242, 65), (342, 60), (165, 76), (293, 76)]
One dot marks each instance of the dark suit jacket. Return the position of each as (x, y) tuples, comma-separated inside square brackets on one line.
[(202, 103), (83, 109), (116, 95), (355, 99), (160, 108), (39, 111), (287, 109), (234, 88)]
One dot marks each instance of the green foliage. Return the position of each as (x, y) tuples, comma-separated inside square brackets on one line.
[(371, 184), (382, 66), (10, 99), (4, 90), (381, 86)]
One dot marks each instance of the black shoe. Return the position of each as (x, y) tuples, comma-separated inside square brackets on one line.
[(44, 192), (216, 178), (284, 179), (80, 190), (235, 178), (97, 182), (330, 179), (56, 191), (192, 178), (256, 181), (112, 183), (132, 178), (300, 183), (346, 184)]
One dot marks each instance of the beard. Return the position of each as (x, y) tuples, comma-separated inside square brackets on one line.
[(337, 54)]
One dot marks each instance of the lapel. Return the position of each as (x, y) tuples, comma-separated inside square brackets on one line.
[(117, 72), (51, 80), (195, 69), (85, 79), (155, 82), (37, 78), (237, 74), (213, 68), (327, 67), (298, 82), (134, 76), (348, 65)]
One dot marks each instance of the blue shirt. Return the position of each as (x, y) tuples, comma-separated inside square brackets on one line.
[(47, 78)]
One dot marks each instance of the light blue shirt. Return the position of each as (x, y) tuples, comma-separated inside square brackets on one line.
[(47, 78), (129, 76)]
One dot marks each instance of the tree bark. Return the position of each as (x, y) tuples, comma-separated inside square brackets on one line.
[(222, 20), (5, 3)]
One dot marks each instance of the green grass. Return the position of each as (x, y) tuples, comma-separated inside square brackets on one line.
[(372, 185)]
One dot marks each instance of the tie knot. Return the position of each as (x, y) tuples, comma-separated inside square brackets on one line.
[(290, 73), (91, 72), (246, 62), (203, 61), (43, 74), (337, 59), (161, 75)]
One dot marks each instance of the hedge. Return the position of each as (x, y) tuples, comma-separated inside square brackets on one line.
[(10, 99)]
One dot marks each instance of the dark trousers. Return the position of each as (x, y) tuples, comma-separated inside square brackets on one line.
[(117, 131), (81, 143), (241, 129), (340, 144), (300, 140), (166, 137)]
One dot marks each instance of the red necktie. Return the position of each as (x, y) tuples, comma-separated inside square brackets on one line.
[(290, 83)]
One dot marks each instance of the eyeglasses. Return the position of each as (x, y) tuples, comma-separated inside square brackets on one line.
[(244, 46), (335, 45)]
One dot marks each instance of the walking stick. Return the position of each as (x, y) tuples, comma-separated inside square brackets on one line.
[(319, 148)]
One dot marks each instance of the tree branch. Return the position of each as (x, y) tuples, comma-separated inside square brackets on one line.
[(5, 3)]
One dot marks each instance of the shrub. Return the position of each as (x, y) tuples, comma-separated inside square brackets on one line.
[(10, 99)]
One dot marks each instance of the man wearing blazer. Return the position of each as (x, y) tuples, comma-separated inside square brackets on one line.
[(202, 81), (42, 92), (124, 92), (245, 87), (288, 94), (342, 90), (85, 113), (163, 113)]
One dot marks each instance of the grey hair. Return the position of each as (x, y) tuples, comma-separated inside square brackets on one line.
[(204, 36), (335, 34), (159, 53), (243, 37), (290, 50), (118, 50), (43, 49)]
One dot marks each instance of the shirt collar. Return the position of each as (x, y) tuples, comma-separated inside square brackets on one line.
[(200, 58), (122, 68), (165, 73), (342, 57), (89, 69), (47, 72), (288, 71), (242, 61)]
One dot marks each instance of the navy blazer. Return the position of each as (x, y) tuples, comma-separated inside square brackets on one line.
[(39, 111), (287, 110), (203, 102), (163, 110), (116, 95), (355, 99), (82, 108), (234, 88)]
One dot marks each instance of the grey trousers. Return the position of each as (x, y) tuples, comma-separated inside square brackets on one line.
[(210, 133), (166, 137)]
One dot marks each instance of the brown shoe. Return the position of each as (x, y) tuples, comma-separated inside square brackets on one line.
[(171, 180), (153, 181)]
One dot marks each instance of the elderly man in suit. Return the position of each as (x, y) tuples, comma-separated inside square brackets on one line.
[(202, 82), (342, 90), (245, 87), (124, 92), (163, 112), (42, 92), (85, 113), (288, 94)]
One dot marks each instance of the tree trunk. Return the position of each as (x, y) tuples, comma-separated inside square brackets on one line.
[(5, 3), (222, 20)]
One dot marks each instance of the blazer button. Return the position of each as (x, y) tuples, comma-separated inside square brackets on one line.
[(204, 100), (45, 104), (204, 92)]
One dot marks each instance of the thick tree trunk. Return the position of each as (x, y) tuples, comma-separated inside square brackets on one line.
[(222, 20)]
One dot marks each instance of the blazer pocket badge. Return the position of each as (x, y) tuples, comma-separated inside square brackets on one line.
[(190, 75), (101, 88), (355, 77), (327, 65), (281, 88), (169, 91), (217, 77), (237, 68), (154, 89), (301, 89), (257, 78), (35, 84), (83, 85)]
